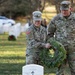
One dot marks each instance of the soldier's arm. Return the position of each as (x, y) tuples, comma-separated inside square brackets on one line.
[(51, 28), (32, 42)]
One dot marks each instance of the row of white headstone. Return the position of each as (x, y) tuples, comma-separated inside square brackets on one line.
[(13, 29), (33, 69)]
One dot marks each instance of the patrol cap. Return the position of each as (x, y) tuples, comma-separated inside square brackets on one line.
[(65, 5), (37, 15)]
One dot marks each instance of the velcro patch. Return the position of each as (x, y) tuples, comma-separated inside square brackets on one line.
[(28, 32)]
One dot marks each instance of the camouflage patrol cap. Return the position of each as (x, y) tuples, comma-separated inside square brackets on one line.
[(37, 15), (65, 5)]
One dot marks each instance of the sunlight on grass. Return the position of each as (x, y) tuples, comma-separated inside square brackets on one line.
[(12, 55)]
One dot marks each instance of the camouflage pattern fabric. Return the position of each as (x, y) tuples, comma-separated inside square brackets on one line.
[(36, 38), (63, 29)]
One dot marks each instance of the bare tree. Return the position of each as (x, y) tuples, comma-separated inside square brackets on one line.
[(57, 5), (41, 5)]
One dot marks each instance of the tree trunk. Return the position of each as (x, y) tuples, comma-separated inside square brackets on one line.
[(73, 5), (57, 6), (41, 5), (43, 2), (71, 1)]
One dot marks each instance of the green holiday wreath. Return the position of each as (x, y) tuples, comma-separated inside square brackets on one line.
[(11, 38), (54, 56)]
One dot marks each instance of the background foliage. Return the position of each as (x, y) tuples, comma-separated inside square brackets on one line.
[(15, 8)]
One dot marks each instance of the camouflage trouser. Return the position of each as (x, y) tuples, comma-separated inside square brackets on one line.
[(32, 59), (71, 61), (29, 59), (60, 70)]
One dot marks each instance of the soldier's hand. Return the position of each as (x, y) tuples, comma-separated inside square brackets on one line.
[(47, 45)]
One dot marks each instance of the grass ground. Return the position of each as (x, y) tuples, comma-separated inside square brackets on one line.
[(12, 55)]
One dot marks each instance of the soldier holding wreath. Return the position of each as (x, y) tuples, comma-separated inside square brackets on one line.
[(63, 27)]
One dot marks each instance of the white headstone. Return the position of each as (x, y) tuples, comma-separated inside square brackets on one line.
[(33, 69), (26, 26), (1, 29), (15, 30), (12, 31), (6, 27), (23, 29)]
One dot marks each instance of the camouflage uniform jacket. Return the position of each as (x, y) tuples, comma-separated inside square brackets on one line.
[(36, 38), (63, 29)]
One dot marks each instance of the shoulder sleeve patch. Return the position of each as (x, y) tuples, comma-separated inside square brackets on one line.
[(28, 31)]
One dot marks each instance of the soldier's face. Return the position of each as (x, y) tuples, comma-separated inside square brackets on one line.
[(66, 12), (37, 23)]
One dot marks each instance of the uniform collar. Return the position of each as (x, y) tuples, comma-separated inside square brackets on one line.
[(70, 17), (36, 28)]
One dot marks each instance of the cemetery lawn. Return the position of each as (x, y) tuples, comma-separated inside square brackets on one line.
[(12, 55)]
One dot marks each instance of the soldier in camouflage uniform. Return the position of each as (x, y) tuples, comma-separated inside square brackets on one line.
[(62, 27), (36, 39)]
